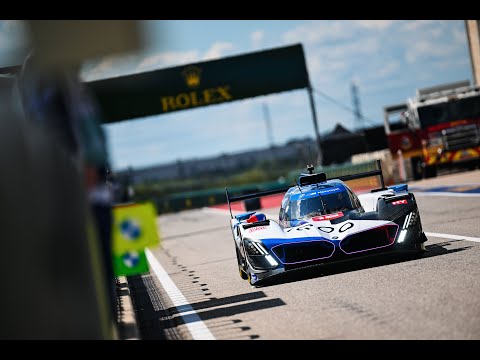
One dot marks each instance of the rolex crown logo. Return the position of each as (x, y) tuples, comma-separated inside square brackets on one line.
[(192, 76)]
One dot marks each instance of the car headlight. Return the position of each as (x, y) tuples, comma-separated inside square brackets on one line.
[(254, 248), (259, 256)]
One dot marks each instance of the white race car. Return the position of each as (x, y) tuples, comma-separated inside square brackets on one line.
[(323, 221)]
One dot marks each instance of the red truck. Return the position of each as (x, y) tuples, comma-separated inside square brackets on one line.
[(438, 128)]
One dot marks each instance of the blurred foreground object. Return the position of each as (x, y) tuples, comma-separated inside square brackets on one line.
[(56, 205), (52, 285), (56, 100), (70, 42)]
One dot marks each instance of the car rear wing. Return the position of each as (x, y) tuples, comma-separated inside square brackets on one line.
[(377, 172), (253, 195)]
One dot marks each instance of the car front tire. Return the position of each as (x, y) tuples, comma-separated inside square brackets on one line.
[(241, 269)]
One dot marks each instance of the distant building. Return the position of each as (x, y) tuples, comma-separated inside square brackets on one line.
[(341, 144), (375, 138)]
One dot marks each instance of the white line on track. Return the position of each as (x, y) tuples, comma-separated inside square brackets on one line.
[(442, 185), (453, 237), (195, 325), (446, 236), (445, 193)]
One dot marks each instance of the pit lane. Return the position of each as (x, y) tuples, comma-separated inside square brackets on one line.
[(435, 297)]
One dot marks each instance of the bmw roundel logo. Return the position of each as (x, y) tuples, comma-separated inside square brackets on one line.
[(130, 229), (130, 259)]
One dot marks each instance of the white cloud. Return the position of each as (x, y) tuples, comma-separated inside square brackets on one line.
[(319, 31), (109, 66), (375, 24), (168, 58), (323, 70), (103, 66), (175, 58), (217, 50), (452, 63), (257, 38), (296, 97), (365, 46), (431, 29), (120, 65), (424, 48), (388, 69), (328, 31), (415, 25), (97, 71), (326, 64), (329, 48), (390, 84)]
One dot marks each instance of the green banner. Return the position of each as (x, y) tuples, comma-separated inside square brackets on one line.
[(201, 84), (130, 263)]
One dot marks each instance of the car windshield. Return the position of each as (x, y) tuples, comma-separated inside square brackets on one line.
[(326, 204)]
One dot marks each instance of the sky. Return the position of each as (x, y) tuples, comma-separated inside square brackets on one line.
[(387, 59)]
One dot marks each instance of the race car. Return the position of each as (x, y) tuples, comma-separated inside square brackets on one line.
[(323, 221)]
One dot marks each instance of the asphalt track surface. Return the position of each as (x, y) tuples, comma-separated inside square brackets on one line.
[(195, 291)]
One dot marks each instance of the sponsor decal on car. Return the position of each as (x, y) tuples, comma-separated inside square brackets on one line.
[(326, 191), (328, 217), (257, 228), (400, 202)]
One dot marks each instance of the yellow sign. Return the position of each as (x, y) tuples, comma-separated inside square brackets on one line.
[(134, 227), (196, 98), (185, 100), (192, 76)]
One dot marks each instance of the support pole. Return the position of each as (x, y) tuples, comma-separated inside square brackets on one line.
[(379, 167), (268, 123), (315, 124)]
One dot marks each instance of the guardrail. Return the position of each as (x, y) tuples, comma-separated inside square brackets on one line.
[(202, 198)]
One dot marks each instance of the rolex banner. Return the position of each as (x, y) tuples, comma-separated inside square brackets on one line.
[(134, 229), (201, 84)]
